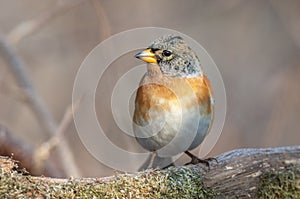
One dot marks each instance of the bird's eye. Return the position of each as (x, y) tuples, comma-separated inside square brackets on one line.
[(166, 53)]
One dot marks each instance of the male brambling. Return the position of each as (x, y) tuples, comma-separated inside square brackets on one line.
[(174, 104)]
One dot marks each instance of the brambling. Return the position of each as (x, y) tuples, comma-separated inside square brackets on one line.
[(174, 103)]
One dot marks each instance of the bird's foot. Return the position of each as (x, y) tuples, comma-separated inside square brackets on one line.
[(196, 160)]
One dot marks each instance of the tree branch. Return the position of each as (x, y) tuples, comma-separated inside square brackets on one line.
[(243, 173)]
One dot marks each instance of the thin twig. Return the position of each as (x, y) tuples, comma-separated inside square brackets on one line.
[(11, 91), (31, 26), (11, 145), (19, 70), (104, 27), (16, 35), (42, 153)]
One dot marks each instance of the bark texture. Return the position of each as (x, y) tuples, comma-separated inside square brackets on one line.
[(242, 173)]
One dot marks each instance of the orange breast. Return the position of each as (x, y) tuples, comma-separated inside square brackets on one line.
[(201, 87), (165, 93)]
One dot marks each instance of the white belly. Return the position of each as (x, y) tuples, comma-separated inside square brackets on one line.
[(173, 132)]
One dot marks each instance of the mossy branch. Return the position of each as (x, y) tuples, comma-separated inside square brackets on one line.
[(243, 173)]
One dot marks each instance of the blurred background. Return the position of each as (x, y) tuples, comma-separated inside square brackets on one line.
[(255, 44)]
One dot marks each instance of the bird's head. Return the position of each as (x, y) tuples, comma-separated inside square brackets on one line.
[(173, 56)]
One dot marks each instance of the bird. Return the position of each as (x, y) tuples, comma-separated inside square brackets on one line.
[(174, 104)]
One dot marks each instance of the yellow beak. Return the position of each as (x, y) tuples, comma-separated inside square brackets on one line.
[(147, 56)]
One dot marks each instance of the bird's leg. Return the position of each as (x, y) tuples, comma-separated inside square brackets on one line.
[(196, 160), (154, 161), (153, 154)]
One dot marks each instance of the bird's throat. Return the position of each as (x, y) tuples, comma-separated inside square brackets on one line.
[(153, 70)]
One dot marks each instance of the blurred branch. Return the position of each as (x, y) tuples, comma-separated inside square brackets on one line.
[(288, 13), (42, 153), (104, 27), (29, 27), (283, 107), (36, 103), (11, 90), (19, 70), (11, 145), (242, 173)]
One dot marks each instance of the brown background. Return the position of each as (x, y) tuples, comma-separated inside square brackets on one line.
[(255, 44)]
